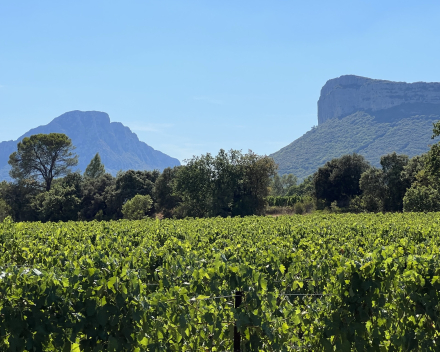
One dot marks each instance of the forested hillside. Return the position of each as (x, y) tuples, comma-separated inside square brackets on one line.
[(366, 116), (357, 133)]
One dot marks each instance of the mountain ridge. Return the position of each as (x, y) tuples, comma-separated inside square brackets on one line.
[(354, 117), (92, 132)]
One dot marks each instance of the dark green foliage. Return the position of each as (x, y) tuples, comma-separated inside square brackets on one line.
[(19, 196), (286, 201), (166, 200), (62, 202), (395, 186), (229, 184), (137, 208), (305, 188), (373, 191), (421, 198), (338, 179), (97, 198), (43, 157), (5, 210), (413, 168), (95, 169), (424, 174), (384, 189), (130, 183)]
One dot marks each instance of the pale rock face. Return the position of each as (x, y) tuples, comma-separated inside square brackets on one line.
[(345, 95)]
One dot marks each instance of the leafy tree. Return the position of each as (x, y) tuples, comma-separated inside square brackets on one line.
[(276, 187), (163, 192), (137, 208), (414, 169), (254, 186), (62, 202), (373, 190), (95, 169), (5, 210), (229, 184), (98, 194), (193, 185), (384, 189), (424, 174), (127, 185), (421, 198), (338, 179), (280, 185), (305, 188), (19, 196), (395, 186), (432, 158), (43, 156)]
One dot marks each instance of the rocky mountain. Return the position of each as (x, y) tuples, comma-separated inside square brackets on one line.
[(346, 95), (367, 116), (92, 132)]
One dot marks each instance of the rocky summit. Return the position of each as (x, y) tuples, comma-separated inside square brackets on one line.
[(348, 94), (92, 132), (368, 116)]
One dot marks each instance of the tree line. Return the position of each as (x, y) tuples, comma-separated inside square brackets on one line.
[(351, 184), (44, 188)]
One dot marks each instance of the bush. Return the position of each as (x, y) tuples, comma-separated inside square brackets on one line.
[(421, 198), (137, 207), (299, 208), (5, 210), (285, 201)]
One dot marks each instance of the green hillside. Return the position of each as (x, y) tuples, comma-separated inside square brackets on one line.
[(361, 133)]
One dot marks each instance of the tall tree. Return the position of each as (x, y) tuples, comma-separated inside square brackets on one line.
[(305, 188), (62, 202), (98, 198), (127, 185), (95, 169), (338, 179), (228, 184), (166, 200), (373, 189), (279, 186), (393, 165), (43, 157)]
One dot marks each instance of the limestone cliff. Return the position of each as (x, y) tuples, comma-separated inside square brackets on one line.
[(367, 116), (348, 94)]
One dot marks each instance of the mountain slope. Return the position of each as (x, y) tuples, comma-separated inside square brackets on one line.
[(92, 132), (366, 116), (359, 133)]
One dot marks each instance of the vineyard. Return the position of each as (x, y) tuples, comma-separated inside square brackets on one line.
[(314, 283)]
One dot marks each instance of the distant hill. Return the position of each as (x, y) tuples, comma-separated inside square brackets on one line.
[(366, 116), (92, 132)]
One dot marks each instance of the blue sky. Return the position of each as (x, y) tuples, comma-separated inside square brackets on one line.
[(191, 77)]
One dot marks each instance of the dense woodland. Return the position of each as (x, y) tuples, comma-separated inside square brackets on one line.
[(228, 184)]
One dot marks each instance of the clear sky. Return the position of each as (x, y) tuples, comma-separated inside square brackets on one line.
[(191, 77)]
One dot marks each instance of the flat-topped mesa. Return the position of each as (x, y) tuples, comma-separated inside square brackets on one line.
[(348, 94)]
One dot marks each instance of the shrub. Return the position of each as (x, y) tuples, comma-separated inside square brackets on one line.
[(5, 210), (299, 208), (421, 198), (137, 207)]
